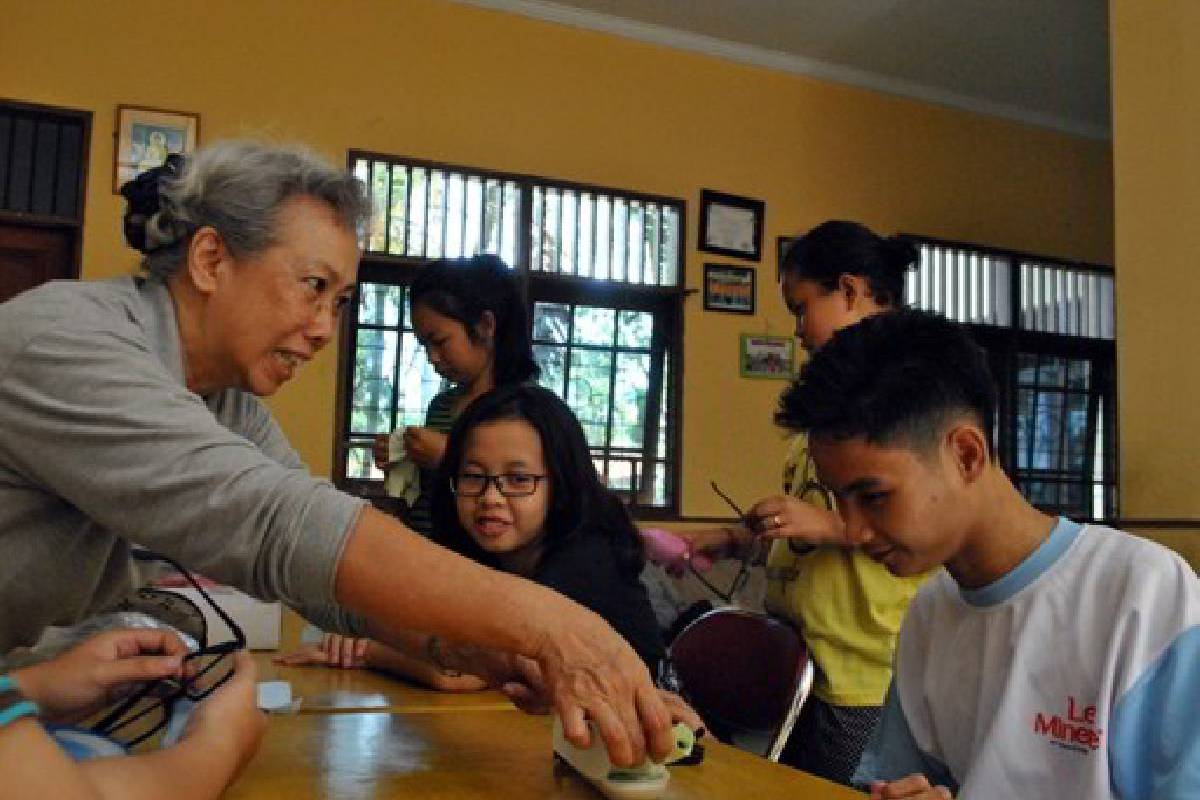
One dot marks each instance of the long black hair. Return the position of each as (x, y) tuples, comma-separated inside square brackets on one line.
[(580, 505), (836, 248), (463, 289)]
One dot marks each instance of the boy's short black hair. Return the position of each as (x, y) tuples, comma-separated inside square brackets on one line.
[(895, 375)]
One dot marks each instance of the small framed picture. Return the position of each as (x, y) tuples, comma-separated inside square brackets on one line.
[(782, 245), (731, 225), (146, 136), (767, 356), (729, 288)]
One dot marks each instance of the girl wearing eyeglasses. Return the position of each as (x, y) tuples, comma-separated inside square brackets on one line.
[(517, 491), (469, 316)]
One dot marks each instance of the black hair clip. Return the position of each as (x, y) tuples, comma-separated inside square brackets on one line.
[(144, 197)]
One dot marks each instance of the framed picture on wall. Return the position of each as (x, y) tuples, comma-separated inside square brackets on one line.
[(146, 136), (731, 225), (728, 288), (767, 356)]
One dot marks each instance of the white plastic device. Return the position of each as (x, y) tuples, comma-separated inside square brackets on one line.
[(644, 782)]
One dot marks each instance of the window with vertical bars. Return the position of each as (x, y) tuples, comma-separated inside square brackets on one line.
[(1049, 328), (591, 234), (41, 161), (603, 361), (427, 212), (602, 271), (392, 381)]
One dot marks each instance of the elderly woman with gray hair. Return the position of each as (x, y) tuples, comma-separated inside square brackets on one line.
[(131, 417)]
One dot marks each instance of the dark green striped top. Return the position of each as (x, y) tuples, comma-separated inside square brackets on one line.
[(439, 416)]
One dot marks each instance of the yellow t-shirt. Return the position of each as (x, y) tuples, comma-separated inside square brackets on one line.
[(848, 607)]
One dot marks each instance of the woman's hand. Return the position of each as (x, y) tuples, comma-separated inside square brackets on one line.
[(680, 711), (591, 673), (585, 671), (424, 446), (914, 787), (334, 650), (228, 721), (786, 517), (100, 670)]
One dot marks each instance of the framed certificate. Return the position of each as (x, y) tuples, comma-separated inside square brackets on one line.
[(731, 225)]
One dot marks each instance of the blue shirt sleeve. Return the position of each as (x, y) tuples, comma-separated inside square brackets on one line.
[(1154, 740), (893, 752)]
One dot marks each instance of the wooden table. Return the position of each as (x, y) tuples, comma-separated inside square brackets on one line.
[(473, 754), (323, 689), (359, 735)]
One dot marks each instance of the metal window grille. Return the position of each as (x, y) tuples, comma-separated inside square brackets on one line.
[(1049, 327), (606, 363), (592, 234), (571, 245), (42, 152), (392, 381)]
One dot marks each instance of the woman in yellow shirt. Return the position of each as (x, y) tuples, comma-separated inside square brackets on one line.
[(847, 607)]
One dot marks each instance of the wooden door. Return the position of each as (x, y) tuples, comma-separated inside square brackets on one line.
[(32, 255)]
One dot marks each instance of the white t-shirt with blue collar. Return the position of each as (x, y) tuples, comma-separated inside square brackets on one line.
[(1077, 674)]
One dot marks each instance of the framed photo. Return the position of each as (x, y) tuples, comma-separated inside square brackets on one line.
[(146, 136), (782, 245), (767, 356), (729, 289), (731, 225)]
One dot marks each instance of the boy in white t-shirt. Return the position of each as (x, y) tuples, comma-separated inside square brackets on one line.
[(1050, 659)]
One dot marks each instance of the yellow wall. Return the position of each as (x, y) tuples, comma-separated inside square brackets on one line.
[(1156, 160), (437, 80), (1156, 164)]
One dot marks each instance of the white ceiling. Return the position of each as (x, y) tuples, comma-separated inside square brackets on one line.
[(1043, 62)]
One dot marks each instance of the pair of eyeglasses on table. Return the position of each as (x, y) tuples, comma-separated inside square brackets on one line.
[(148, 710)]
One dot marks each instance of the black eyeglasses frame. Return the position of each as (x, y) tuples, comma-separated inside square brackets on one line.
[(171, 690)]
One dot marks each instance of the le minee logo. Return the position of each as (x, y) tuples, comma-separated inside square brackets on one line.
[(1077, 732)]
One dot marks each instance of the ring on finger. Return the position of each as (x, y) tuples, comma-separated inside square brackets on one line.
[(776, 522)]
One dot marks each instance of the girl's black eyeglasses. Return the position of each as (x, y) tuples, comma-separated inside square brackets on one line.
[(509, 484)]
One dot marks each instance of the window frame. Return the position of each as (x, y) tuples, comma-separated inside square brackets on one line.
[(665, 301), (666, 305), (1004, 344)]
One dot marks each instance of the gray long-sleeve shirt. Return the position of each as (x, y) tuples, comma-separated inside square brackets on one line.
[(102, 446)]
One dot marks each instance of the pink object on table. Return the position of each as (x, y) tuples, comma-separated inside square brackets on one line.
[(671, 552)]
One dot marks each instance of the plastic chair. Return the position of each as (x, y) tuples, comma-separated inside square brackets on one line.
[(747, 674)]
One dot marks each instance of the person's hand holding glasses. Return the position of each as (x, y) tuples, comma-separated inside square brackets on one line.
[(148, 710), (745, 555), (805, 522), (695, 552)]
